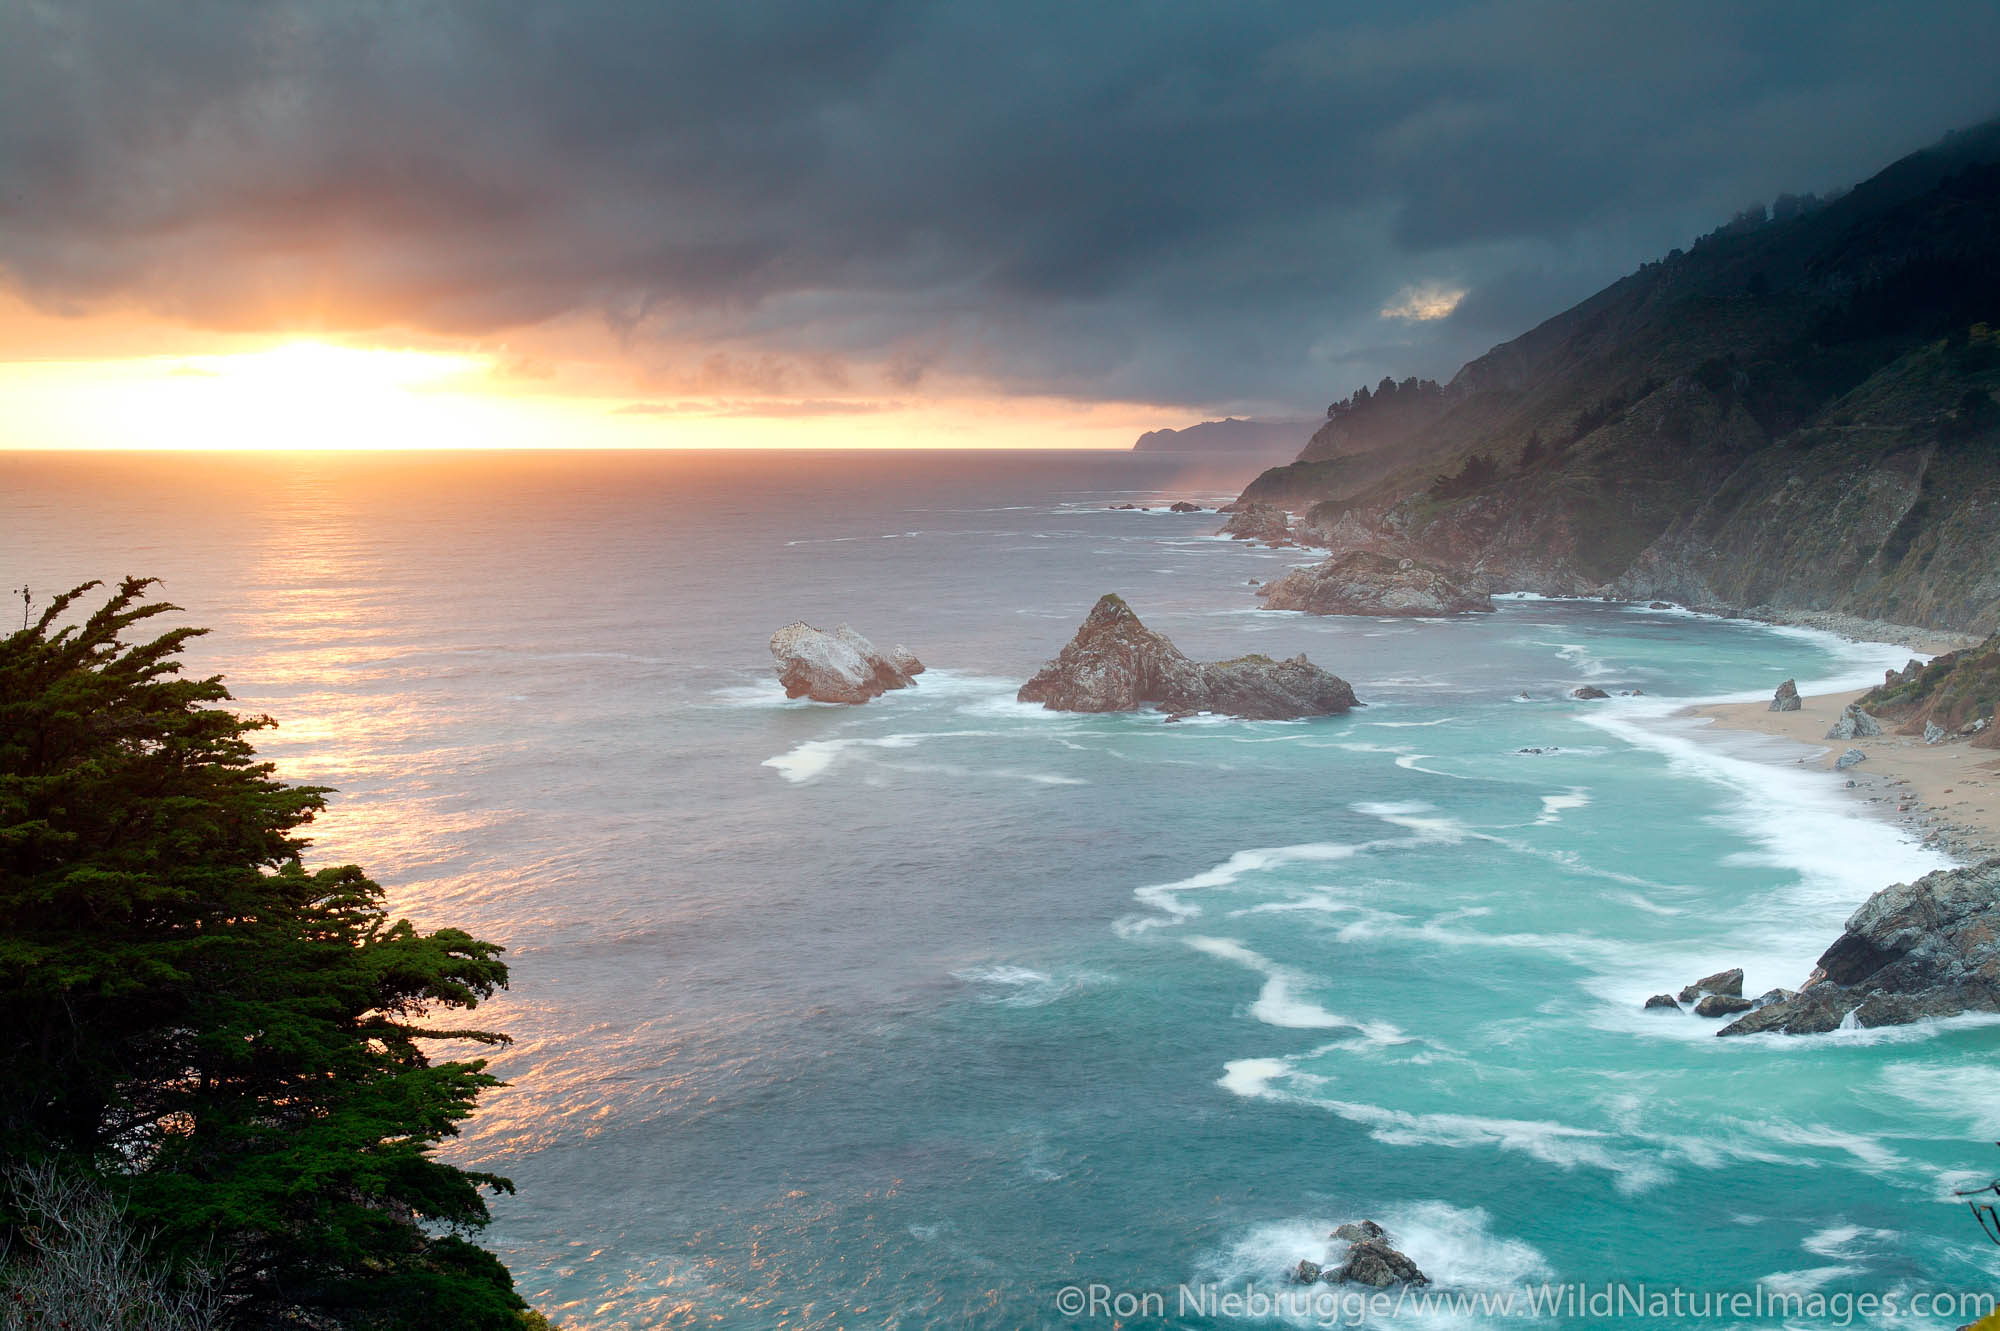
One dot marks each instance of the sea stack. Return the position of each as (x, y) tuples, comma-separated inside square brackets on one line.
[(1116, 664), (1786, 699), (841, 666), (1362, 582)]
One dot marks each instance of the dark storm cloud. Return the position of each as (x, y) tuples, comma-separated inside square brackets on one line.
[(1207, 204)]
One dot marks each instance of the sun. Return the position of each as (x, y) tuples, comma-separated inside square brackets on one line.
[(313, 395)]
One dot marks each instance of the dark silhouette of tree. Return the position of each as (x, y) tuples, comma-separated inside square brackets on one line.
[(234, 1044)]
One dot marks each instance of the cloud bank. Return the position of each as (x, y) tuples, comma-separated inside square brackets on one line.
[(1247, 207)]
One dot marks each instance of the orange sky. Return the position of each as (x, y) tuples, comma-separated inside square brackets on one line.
[(118, 379)]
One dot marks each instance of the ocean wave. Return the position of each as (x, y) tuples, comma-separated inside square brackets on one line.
[(1022, 986), (1166, 897), (1278, 1002), (1555, 806)]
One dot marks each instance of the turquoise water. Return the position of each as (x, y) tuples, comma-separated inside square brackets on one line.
[(921, 1012)]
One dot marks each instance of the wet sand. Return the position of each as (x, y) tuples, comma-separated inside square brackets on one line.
[(1948, 793)]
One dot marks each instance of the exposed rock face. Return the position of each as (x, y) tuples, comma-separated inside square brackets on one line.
[(1935, 733), (1369, 1260), (1854, 724), (1362, 582), (1728, 982), (1662, 1001), (1258, 522), (1849, 759), (1786, 699), (1373, 1262), (1925, 949), (1116, 664), (1183, 506), (1721, 1005), (1588, 692), (841, 666)]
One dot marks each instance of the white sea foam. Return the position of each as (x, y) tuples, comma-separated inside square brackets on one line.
[(1279, 1003), (816, 757), (1807, 1280), (1557, 1144), (1454, 1245), (1166, 897), (1022, 986), (1968, 1093), (1797, 820), (1847, 1242), (1555, 806)]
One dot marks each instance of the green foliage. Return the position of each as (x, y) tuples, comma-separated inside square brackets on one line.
[(236, 1043), (1479, 471)]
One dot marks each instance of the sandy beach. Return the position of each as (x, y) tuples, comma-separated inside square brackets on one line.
[(1948, 793)]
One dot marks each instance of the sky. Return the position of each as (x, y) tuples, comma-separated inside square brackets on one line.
[(905, 223)]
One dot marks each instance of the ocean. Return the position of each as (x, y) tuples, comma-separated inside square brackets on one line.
[(946, 1010)]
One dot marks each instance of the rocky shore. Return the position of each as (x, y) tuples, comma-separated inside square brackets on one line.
[(1946, 793), (1913, 951), (1362, 582)]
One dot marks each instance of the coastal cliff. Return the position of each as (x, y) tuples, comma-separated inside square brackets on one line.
[(1796, 413)]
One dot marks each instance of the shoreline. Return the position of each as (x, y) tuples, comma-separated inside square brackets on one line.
[(1946, 795)]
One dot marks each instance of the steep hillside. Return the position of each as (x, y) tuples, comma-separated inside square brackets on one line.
[(1227, 436), (1798, 411)]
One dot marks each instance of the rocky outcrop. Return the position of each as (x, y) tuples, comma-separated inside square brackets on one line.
[(1116, 664), (1369, 1260), (1662, 1001), (1786, 699), (1588, 693), (1854, 724), (1183, 506), (1721, 1005), (841, 666), (1849, 759), (1915, 950), (1373, 1262), (1935, 733), (1258, 522), (1729, 982), (1362, 582)]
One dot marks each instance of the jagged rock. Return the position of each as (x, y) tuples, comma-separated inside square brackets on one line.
[(1588, 692), (1728, 982), (1662, 1001), (1661, 605), (1914, 950), (1935, 733), (1354, 1231), (1786, 699), (1849, 759), (1770, 996), (1258, 522), (1116, 664), (1362, 582), (1854, 724), (1183, 506), (1305, 1273), (841, 666), (1721, 1005), (1373, 1262), (1974, 727)]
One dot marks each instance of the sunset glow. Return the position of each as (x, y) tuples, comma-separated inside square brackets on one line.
[(308, 394)]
